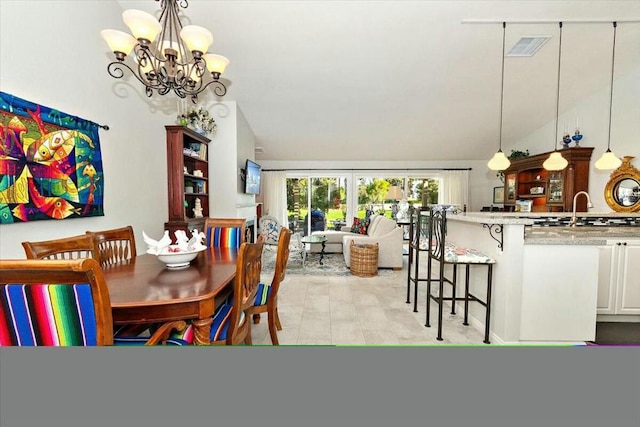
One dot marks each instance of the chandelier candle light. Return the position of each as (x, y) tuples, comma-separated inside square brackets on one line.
[(608, 160), (499, 161), (166, 56)]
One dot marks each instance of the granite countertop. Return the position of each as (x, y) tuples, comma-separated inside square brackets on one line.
[(531, 218), (578, 235), (551, 228), (491, 218)]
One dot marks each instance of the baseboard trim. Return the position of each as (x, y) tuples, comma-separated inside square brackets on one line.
[(618, 318)]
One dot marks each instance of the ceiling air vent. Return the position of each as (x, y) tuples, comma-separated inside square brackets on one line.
[(528, 45), (259, 150)]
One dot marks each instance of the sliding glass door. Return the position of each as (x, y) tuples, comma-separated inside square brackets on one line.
[(377, 195), (316, 203)]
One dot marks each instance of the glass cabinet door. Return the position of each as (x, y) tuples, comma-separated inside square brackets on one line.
[(556, 185), (510, 187)]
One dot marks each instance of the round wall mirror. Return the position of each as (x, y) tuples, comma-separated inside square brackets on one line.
[(622, 192)]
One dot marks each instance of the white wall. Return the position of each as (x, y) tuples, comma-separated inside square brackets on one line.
[(246, 206), (593, 114), (60, 61), (56, 57)]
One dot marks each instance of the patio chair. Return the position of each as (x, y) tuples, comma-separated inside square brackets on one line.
[(60, 303), (118, 244), (266, 300), (270, 228)]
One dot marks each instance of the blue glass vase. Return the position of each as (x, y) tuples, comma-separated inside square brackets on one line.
[(577, 137)]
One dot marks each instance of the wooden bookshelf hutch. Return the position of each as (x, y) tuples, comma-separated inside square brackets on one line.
[(549, 191), (187, 152)]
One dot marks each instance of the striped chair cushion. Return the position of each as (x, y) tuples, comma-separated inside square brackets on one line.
[(224, 237), (47, 315), (263, 294), (219, 327)]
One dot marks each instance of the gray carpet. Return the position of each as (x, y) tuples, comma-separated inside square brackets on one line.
[(333, 265)]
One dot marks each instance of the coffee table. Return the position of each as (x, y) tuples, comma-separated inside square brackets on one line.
[(313, 239)]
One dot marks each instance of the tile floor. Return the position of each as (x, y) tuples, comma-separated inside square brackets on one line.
[(339, 310)]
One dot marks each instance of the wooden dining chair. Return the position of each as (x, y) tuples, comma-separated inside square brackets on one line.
[(73, 247), (231, 325), (114, 245), (266, 300), (60, 303), (224, 232)]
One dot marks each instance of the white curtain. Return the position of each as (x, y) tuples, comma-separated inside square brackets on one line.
[(274, 195), (455, 188)]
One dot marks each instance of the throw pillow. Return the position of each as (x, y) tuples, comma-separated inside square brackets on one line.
[(360, 225)]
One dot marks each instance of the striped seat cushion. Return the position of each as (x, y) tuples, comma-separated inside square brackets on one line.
[(47, 315), (219, 327), (224, 237), (262, 296)]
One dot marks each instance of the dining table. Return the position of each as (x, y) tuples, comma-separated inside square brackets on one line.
[(144, 290)]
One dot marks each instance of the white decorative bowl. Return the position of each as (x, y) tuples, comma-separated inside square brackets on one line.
[(179, 259)]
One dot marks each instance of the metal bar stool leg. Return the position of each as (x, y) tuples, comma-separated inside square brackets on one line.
[(428, 308), (415, 284), (466, 296), (453, 290), (409, 264), (440, 302), (488, 305)]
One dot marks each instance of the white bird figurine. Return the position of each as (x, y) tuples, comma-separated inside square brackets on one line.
[(182, 241), (196, 240), (156, 247)]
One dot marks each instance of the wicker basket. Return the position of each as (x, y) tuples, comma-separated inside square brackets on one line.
[(364, 260)]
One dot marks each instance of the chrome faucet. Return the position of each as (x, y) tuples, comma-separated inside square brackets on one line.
[(572, 223)]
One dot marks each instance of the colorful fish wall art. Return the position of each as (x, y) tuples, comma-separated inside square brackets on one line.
[(50, 164)]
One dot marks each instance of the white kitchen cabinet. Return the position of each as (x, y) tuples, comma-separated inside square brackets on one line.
[(619, 277)]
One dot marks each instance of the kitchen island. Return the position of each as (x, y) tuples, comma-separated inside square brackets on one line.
[(547, 274)]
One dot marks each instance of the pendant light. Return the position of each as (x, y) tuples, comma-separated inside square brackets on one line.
[(608, 160), (499, 161), (556, 162)]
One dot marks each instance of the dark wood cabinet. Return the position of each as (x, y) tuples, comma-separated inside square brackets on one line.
[(188, 178), (548, 191)]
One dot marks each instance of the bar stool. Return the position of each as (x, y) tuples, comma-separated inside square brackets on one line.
[(446, 253), (418, 233)]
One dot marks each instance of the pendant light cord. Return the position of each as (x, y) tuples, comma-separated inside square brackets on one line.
[(504, 30), (555, 136), (613, 61)]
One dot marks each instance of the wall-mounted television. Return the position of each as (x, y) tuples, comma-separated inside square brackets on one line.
[(252, 177)]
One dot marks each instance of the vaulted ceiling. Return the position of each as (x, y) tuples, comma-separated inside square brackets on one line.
[(327, 80)]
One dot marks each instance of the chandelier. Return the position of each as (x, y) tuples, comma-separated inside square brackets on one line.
[(166, 56)]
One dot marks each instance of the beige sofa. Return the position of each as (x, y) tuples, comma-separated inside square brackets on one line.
[(382, 230)]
